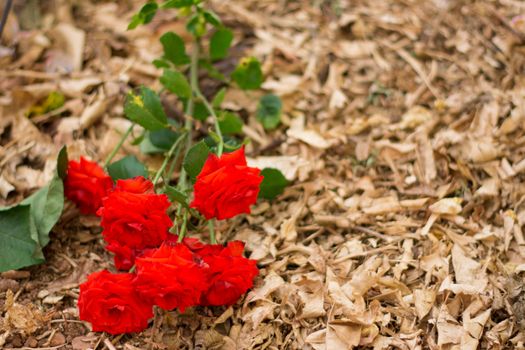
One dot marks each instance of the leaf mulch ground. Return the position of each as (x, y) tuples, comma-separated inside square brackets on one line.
[(404, 137)]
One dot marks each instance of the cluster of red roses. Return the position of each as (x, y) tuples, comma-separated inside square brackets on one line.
[(166, 273)]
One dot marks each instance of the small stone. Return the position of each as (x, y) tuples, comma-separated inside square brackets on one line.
[(58, 339), (15, 275), (6, 284), (31, 342), (16, 341)]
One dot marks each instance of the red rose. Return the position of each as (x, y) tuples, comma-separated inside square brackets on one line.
[(133, 216), (138, 185), (170, 277), (110, 303), (230, 275), (226, 186), (124, 257), (86, 185)]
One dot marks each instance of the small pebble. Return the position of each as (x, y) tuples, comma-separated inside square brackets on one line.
[(58, 339), (31, 342), (6, 284), (16, 341)]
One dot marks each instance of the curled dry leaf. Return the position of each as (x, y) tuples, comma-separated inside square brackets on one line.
[(25, 319), (447, 206)]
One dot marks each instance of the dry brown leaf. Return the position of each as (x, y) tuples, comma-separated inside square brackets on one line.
[(26, 319)]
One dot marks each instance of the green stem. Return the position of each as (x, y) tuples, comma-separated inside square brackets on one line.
[(183, 227), (168, 157), (211, 228), (118, 146), (189, 108), (210, 109)]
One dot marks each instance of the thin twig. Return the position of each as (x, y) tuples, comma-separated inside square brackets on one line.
[(367, 253), (5, 13)]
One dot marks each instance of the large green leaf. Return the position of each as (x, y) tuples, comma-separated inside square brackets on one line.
[(24, 228), (273, 184), (195, 159), (174, 49), (220, 43), (46, 207), (127, 168), (269, 111), (176, 82), (248, 74), (146, 109), (18, 247)]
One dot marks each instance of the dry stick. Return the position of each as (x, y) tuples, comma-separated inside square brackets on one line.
[(3, 21), (368, 252), (416, 66), (108, 344)]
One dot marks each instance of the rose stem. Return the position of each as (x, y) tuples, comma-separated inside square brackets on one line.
[(211, 227), (168, 157), (119, 145), (183, 226), (210, 109), (182, 184), (189, 110)]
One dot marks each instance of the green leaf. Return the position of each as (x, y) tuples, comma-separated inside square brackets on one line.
[(273, 184), (212, 18), (212, 71), (248, 74), (174, 49), (62, 161), (177, 196), (144, 16), (230, 123), (177, 4), (147, 147), (46, 208), (176, 82), (220, 43), (196, 25), (18, 247), (163, 139), (269, 111), (218, 98), (195, 159), (161, 63), (127, 168), (138, 140), (146, 109), (200, 112)]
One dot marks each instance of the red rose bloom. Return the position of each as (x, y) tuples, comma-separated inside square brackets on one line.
[(110, 303), (124, 257), (170, 277), (226, 186), (230, 275), (86, 185), (138, 185), (134, 216)]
